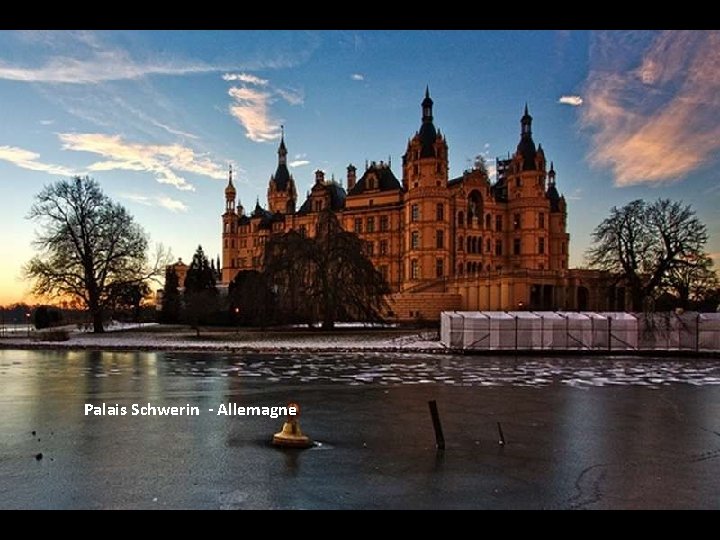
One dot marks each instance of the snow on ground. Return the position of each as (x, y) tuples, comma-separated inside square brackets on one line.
[(268, 341)]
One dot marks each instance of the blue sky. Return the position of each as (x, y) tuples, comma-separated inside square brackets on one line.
[(156, 117)]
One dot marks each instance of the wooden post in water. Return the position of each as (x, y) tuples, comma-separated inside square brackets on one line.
[(437, 426)]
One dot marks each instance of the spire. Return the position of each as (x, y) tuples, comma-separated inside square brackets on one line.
[(427, 105), (551, 173), (230, 187), (230, 193), (526, 147), (282, 150), (427, 132)]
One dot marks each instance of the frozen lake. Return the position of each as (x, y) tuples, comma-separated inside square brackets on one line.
[(582, 433)]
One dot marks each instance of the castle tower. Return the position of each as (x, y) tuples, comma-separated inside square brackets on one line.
[(427, 218), (230, 228), (559, 238), (527, 238), (281, 194)]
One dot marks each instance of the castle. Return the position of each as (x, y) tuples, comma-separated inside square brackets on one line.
[(441, 243)]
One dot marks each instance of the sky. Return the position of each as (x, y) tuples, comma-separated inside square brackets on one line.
[(158, 116)]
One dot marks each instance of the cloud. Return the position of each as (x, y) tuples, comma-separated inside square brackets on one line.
[(653, 115), (246, 78), (291, 95), (164, 161), (251, 108), (47, 122), (575, 101), (161, 201), (101, 65), (298, 163), (27, 159), (251, 105), (357, 77)]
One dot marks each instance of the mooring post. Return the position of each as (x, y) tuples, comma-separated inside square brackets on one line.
[(501, 440), (439, 438)]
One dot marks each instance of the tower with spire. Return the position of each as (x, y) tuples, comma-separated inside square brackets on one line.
[(427, 198), (281, 193)]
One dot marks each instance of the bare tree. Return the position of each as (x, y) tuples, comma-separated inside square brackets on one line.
[(90, 247), (644, 244), (325, 278), (693, 281)]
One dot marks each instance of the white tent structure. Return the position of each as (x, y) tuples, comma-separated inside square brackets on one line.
[(553, 330), (709, 332), (565, 330), (622, 331), (452, 329)]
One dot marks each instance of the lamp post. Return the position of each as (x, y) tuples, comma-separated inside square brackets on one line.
[(27, 318), (237, 321)]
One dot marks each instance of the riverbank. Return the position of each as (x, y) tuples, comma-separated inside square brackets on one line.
[(176, 338)]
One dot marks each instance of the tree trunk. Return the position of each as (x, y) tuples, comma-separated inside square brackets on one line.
[(637, 300), (97, 321)]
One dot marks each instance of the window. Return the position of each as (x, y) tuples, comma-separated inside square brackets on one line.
[(384, 271), (439, 267), (232, 243), (541, 246), (415, 169), (371, 224), (516, 221), (541, 266), (318, 206), (563, 263), (383, 247), (358, 226), (226, 243), (563, 248), (488, 221), (227, 227), (460, 218), (440, 212), (414, 269), (541, 220), (415, 212), (469, 245), (518, 182), (232, 263), (516, 246), (370, 248), (303, 230), (243, 262), (415, 240), (460, 245), (498, 247), (384, 223), (469, 268), (498, 223), (460, 269), (440, 239), (488, 246), (256, 261)]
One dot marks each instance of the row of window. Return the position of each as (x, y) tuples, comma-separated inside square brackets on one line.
[(370, 224), (370, 248), (241, 262), (517, 220), (415, 268), (439, 212)]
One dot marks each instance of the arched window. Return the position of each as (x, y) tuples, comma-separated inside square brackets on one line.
[(469, 268), (461, 218), (460, 269), (460, 243), (469, 244), (488, 221)]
